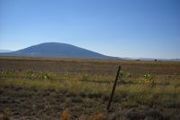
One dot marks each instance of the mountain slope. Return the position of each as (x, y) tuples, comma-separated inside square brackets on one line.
[(57, 50), (5, 51)]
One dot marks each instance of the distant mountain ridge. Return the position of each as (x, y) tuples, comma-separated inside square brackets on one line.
[(54, 49), (5, 51)]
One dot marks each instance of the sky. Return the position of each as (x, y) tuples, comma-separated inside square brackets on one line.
[(121, 28)]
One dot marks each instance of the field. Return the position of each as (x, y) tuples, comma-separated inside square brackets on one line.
[(74, 89)]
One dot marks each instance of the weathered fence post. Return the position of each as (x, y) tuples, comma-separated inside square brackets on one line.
[(114, 87)]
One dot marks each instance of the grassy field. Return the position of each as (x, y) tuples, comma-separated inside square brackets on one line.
[(32, 88)]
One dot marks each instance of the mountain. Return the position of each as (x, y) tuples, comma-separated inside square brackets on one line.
[(5, 51), (61, 50)]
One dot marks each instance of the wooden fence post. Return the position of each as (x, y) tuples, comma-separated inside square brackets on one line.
[(114, 87)]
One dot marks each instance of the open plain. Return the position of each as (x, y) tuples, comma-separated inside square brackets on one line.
[(79, 89)]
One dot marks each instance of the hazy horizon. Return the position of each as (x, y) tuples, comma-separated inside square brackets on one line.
[(120, 28)]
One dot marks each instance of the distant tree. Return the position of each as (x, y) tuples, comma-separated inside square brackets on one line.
[(138, 60)]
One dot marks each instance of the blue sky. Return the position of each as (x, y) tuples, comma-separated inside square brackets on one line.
[(123, 28)]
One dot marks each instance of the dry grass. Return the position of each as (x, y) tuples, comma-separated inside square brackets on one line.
[(65, 115), (154, 84)]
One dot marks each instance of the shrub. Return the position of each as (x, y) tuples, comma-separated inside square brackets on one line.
[(148, 79)]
